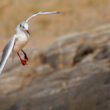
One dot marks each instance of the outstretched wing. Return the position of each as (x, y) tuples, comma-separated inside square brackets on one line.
[(6, 52), (42, 12)]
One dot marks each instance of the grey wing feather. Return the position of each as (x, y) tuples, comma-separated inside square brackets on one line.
[(6, 53), (42, 12)]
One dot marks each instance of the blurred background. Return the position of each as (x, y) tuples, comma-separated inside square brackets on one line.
[(78, 15), (69, 56)]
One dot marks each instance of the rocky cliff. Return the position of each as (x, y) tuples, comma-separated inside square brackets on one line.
[(71, 74)]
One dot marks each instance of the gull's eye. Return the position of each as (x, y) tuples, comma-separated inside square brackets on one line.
[(20, 25)]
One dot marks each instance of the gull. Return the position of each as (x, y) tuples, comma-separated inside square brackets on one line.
[(19, 40)]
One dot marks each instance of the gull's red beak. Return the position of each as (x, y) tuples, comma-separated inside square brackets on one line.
[(28, 32)]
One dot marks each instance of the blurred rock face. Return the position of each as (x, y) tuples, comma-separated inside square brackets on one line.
[(71, 74)]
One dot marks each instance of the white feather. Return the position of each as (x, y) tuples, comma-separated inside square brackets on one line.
[(6, 52), (42, 12)]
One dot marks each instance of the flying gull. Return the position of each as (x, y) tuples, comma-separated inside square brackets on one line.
[(19, 40)]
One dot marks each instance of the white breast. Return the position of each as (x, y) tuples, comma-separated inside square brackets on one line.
[(20, 42)]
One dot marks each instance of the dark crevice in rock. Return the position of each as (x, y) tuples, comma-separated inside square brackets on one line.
[(82, 51)]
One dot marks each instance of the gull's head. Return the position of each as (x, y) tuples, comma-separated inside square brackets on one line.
[(23, 26)]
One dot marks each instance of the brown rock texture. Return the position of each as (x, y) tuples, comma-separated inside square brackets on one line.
[(71, 74)]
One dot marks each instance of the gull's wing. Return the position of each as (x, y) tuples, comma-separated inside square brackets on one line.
[(42, 12), (6, 52)]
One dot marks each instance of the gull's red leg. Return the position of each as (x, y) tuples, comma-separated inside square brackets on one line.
[(23, 62), (25, 55)]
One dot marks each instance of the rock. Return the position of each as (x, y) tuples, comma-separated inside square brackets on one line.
[(72, 74)]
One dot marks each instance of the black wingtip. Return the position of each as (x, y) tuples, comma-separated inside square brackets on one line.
[(58, 12)]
